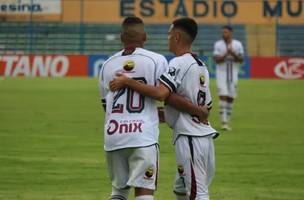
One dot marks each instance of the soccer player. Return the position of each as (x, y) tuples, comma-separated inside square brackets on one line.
[(228, 56), (131, 120), (193, 137)]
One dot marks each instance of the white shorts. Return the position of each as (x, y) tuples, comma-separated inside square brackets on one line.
[(134, 167), (226, 80), (195, 166)]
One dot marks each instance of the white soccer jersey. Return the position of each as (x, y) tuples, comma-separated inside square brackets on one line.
[(227, 71), (131, 119), (220, 49), (188, 77)]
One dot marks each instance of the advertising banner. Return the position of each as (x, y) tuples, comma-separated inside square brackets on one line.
[(243, 70), (30, 9), (95, 64), (43, 66), (81, 65), (277, 67)]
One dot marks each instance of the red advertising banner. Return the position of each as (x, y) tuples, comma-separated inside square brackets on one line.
[(43, 65), (277, 67)]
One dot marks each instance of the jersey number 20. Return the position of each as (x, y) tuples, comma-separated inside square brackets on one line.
[(131, 108)]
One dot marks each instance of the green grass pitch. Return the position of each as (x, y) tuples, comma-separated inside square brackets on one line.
[(51, 142)]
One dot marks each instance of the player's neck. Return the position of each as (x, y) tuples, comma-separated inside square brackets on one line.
[(133, 45), (228, 40), (182, 50)]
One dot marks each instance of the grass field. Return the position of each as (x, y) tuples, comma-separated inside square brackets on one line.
[(51, 143)]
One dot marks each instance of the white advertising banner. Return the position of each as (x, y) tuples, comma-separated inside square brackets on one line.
[(44, 7)]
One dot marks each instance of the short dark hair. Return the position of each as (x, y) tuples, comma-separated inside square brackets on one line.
[(188, 25), (228, 27), (132, 21)]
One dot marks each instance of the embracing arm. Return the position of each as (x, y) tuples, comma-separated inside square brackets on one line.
[(219, 59), (182, 104), (237, 58), (159, 93)]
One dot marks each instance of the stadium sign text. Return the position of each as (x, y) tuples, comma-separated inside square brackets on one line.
[(35, 66), (277, 67), (201, 8), (30, 6), (293, 68)]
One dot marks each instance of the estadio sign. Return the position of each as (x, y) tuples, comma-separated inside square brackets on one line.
[(204, 11), (81, 65)]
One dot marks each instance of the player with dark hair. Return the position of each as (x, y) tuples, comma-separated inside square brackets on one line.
[(131, 120), (193, 137), (228, 55)]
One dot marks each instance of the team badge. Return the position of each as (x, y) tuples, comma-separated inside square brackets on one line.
[(172, 71), (129, 65), (180, 170), (149, 173), (202, 79)]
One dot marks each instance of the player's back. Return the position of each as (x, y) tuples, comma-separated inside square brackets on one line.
[(131, 119), (192, 82)]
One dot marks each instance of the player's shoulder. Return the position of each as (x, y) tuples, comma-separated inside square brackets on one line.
[(219, 42), (151, 54), (176, 62), (113, 57), (237, 42)]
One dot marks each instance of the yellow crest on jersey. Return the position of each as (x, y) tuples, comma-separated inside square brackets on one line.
[(202, 79), (149, 172), (129, 65), (180, 169)]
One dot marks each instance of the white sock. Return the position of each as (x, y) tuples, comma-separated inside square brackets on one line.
[(229, 107), (223, 111), (144, 197), (181, 197), (119, 194)]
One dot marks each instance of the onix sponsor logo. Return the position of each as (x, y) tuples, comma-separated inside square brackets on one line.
[(293, 68), (126, 127)]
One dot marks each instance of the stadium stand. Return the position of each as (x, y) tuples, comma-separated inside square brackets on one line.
[(290, 40), (94, 39)]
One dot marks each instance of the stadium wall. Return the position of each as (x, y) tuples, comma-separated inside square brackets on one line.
[(155, 11), (89, 66)]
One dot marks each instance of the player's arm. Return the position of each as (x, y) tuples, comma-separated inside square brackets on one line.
[(219, 59), (182, 104), (159, 93), (237, 57), (102, 90)]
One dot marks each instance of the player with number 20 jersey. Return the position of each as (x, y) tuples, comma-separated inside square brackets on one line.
[(131, 119)]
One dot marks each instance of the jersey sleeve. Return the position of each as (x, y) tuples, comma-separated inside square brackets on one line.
[(240, 50), (102, 88), (170, 77), (217, 49), (208, 93), (162, 67)]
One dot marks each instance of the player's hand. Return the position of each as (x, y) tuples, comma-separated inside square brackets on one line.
[(118, 82), (204, 114), (161, 114), (230, 51)]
